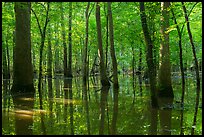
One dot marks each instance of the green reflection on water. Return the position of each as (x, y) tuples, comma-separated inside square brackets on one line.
[(69, 108)]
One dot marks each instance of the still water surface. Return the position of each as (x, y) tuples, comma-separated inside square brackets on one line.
[(69, 108)]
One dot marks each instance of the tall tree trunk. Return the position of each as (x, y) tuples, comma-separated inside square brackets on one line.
[(112, 50), (180, 58), (4, 62), (33, 61), (49, 57), (196, 68), (8, 58), (140, 68), (23, 72), (133, 62), (149, 53), (69, 73), (56, 63), (106, 52), (103, 75), (42, 33), (14, 44), (181, 69), (86, 46), (164, 75), (64, 40)]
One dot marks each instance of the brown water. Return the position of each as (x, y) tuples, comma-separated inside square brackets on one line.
[(69, 108)]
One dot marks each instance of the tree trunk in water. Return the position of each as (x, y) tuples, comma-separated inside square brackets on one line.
[(196, 68), (23, 72), (182, 71), (112, 50), (64, 41), (42, 33), (103, 75), (69, 73), (165, 87), (181, 59), (149, 56)]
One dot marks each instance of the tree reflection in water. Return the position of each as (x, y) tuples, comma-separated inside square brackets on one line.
[(69, 110), (160, 111), (23, 108)]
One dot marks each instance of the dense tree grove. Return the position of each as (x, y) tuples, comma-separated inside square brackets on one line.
[(152, 40), (67, 48)]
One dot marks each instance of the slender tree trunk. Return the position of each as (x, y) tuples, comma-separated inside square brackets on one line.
[(103, 75), (140, 67), (23, 72), (64, 41), (149, 54), (106, 53), (85, 67), (33, 62), (56, 63), (196, 68), (49, 57), (14, 44), (4, 62), (180, 57), (112, 50), (69, 73), (181, 69), (42, 33), (165, 86), (8, 58), (133, 62)]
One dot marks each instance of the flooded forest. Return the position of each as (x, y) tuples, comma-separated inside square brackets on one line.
[(101, 68)]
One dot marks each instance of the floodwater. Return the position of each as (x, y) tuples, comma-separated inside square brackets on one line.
[(68, 108)]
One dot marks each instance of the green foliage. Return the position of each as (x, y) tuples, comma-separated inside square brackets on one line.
[(128, 38), (127, 29)]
